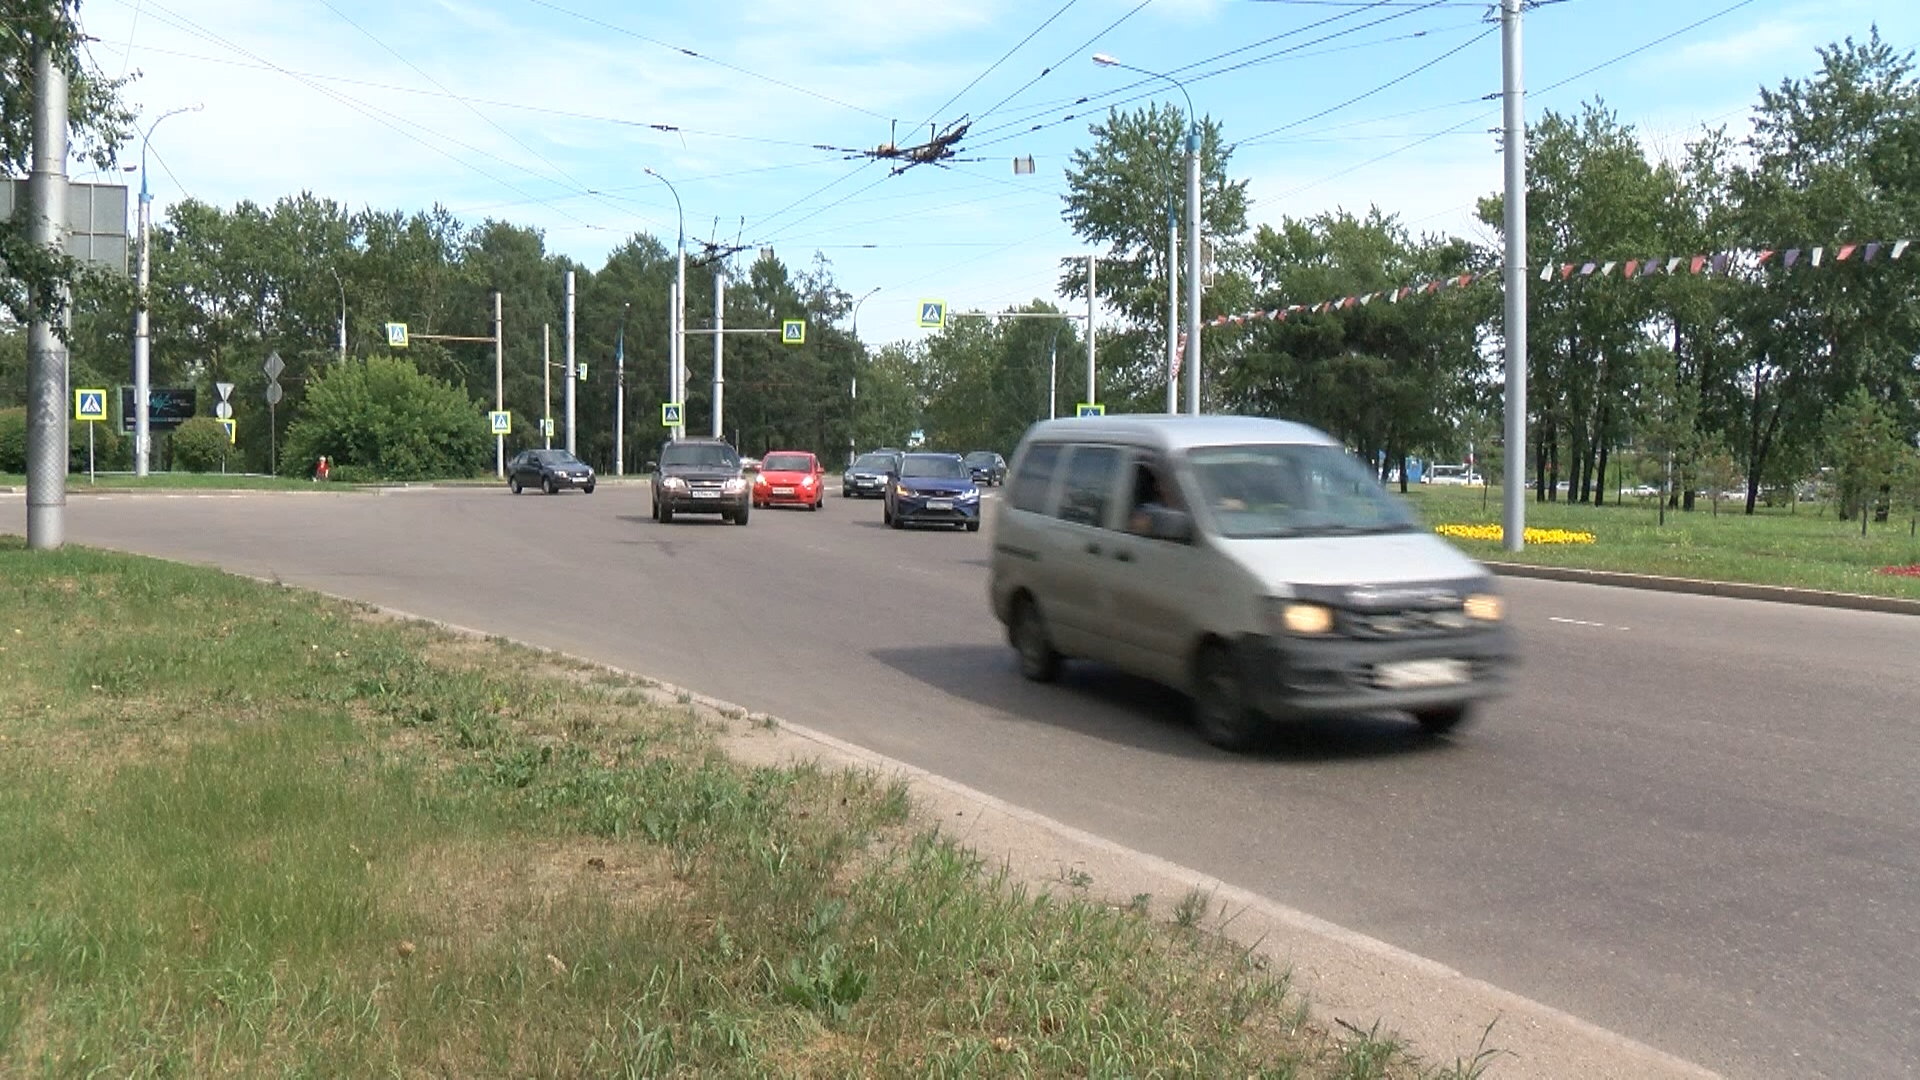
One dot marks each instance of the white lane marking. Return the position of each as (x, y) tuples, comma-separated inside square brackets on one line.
[(1583, 622)]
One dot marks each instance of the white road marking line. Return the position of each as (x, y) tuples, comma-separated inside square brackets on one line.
[(1583, 622)]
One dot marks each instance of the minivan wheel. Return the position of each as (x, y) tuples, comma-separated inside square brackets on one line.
[(1439, 721), (1220, 708), (1038, 660), (973, 526)]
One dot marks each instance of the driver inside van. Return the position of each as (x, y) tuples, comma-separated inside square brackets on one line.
[(1151, 495)]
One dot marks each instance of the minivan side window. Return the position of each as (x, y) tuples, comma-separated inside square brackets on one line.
[(1030, 485), (1089, 484)]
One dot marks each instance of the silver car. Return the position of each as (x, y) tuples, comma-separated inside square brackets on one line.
[(1251, 563)]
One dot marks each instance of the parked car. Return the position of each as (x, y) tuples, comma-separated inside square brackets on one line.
[(867, 477), (699, 476), (987, 467), (934, 489), (1452, 475), (548, 470), (790, 478), (1250, 563)]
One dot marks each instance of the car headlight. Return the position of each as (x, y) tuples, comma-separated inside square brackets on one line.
[(734, 486), (1485, 607), (806, 481), (1297, 617), (967, 496), (903, 491), (673, 483), (760, 481)]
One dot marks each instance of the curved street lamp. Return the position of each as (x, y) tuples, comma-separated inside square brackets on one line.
[(1193, 229), (856, 311), (142, 432), (676, 377)]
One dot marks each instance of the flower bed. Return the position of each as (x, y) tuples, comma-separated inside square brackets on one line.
[(1496, 533), (1912, 571)]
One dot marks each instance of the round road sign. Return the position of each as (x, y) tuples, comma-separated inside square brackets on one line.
[(274, 393), (224, 411)]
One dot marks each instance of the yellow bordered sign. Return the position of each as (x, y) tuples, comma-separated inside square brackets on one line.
[(89, 404)]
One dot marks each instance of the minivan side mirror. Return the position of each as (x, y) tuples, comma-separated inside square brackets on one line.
[(1171, 525)]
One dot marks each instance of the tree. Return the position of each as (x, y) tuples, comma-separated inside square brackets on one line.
[(384, 419), (199, 445), (1865, 449), (98, 123)]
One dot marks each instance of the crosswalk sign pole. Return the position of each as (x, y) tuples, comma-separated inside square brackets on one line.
[(89, 452)]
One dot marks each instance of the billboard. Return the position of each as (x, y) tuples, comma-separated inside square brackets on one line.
[(167, 407)]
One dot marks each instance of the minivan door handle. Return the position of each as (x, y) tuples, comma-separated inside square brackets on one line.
[(1093, 548), (1123, 556)]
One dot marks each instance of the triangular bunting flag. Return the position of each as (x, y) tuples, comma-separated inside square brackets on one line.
[(1546, 272), (1816, 255), (1566, 271), (1764, 256), (1872, 250), (1674, 263), (1720, 261), (1466, 280), (1607, 270), (1652, 267), (1587, 269), (1697, 262), (1792, 256), (1845, 253), (1633, 266), (1394, 297), (1431, 286), (1367, 299), (1899, 249)]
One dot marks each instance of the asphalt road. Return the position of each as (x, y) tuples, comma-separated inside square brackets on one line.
[(1695, 821)]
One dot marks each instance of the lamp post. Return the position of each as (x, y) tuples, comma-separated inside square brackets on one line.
[(676, 363), (1193, 230), (142, 436), (343, 312), (620, 394), (856, 311)]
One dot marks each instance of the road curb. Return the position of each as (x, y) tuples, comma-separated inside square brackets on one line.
[(1779, 594)]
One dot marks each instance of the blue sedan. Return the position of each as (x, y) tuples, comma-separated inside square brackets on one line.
[(933, 489)]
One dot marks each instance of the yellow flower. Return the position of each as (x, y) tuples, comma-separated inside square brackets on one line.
[(1496, 533)]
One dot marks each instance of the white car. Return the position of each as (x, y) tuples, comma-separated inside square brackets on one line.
[(1452, 475)]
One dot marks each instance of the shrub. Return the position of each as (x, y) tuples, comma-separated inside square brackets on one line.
[(13, 440), (383, 419), (200, 445)]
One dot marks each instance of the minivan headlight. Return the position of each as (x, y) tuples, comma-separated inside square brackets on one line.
[(1485, 607), (1297, 617)]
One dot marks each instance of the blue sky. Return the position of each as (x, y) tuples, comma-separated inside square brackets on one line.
[(542, 112)]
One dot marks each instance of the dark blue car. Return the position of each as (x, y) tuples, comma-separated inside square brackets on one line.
[(932, 489)]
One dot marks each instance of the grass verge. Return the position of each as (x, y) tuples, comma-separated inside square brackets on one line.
[(1802, 547), (250, 831), (175, 481)]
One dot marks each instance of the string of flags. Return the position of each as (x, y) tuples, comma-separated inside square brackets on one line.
[(1716, 263)]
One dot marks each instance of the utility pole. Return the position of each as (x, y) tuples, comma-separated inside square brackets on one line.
[(46, 350), (620, 394), (719, 337), (342, 286), (1173, 306), (570, 375), (499, 388), (142, 388), (1512, 492), (673, 359), (1091, 398), (1193, 261), (546, 380)]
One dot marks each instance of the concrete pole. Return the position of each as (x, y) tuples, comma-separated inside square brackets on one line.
[(569, 369), (142, 383), (499, 389), (546, 380), (1173, 308), (719, 337), (673, 361), (620, 395), (680, 332), (1512, 482), (1091, 300), (46, 353), (1193, 265)]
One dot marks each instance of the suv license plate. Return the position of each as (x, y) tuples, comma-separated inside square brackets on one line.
[(706, 494), (1419, 674), (939, 504)]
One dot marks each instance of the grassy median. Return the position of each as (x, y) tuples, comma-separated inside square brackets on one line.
[(1804, 546), (248, 831)]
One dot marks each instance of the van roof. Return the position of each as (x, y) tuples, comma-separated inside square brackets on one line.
[(1169, 432)]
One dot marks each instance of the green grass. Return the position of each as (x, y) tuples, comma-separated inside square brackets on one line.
[(1805, 546), (175, 481), (248, 831)]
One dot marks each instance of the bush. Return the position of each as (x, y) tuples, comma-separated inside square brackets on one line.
[(382, 419), (13, 440), (200, 445)]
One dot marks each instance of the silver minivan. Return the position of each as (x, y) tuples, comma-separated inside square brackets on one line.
[(1251, 563)]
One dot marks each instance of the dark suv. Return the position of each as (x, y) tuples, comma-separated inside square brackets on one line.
[(700, 476)]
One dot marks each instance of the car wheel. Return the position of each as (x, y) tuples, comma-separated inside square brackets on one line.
[(1442, 720), (513, 485), (741, 517), (1220, 707), (552, 486), (665, 517), (587, 487), (896, 521), (973, 526), (886, 514), (1038, 659)]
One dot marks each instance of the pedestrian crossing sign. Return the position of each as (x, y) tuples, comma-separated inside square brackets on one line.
[(89, 404), (1088, 408), (933, 314), (502, 422), (793, 331), (670, 414)]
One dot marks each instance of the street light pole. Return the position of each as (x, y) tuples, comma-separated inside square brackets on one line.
[(620, 394), (856, 311), (142, 431), (676, 361), (1513, 504), (1193, 228), (343, 312)]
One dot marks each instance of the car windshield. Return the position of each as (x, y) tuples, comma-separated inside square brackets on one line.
[(786, 463), (711, 455), (1293, 490), (933, 467), (555, 457), (874, 462), (980, 458)]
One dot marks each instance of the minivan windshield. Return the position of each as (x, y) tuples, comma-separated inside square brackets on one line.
[(1293, 489), (698, 455)]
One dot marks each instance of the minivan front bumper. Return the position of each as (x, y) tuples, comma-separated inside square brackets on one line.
[(1299, 678)]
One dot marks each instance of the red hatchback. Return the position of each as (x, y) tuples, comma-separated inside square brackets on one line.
[(790, 478)]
